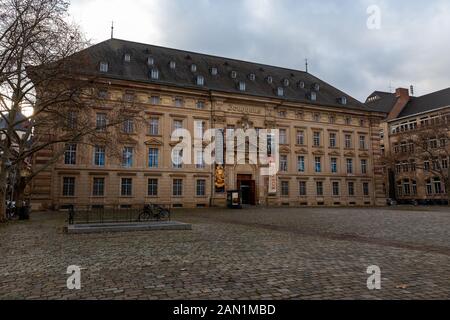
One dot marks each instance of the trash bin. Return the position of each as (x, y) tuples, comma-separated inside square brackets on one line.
[(234, 199)]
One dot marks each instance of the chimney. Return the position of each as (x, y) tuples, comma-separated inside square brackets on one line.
[(403, 97)]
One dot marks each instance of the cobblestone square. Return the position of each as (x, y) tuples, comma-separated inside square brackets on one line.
[(257, 253)]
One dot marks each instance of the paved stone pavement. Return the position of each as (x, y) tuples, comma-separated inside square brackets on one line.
[(254, 253)]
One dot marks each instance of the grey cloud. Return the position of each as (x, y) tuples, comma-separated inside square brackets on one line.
[(411, 47)]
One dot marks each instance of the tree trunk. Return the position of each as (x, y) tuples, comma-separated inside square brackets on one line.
[(2, 206)]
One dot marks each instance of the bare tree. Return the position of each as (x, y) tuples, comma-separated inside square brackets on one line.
[(47, 99)]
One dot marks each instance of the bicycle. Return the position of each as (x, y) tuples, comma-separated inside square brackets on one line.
[(153, 212)]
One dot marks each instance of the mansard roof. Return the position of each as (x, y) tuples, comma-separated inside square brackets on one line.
[(132, 61)]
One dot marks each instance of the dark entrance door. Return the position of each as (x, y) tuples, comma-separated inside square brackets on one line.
[(248, 189)]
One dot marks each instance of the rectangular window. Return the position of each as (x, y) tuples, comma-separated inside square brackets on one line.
[(177, 124), (334, 168), (348, 141), (362, 143), (127, 157), (302, 188), (366, 189), (200, 105), (316, 139), (179, 102), (201, 188), (152, 187), (128, 126), (72, 119), (285, 188), (70, 155), (126, 189), (283, 163), (99, 156), (200, 161), (429, 187), (98, 189), (199, 129), (177, 187), (351, 189), (333, 140), (319, 188), (153, 128), (68, 187), (155, 100), (283, 136), (364, 166), (177, 161), (101, 122), (335, 189), (318, 164), (153, 157), (301, 164), (350, 166), (301, 138)]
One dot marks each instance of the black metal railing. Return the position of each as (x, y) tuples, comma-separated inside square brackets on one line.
[(116, 214)]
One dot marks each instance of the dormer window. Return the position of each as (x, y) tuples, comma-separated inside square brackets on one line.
[(313, 96), (269, 79), (301, 85), (104, 66), (127, 57), (200, 80), (252, 77), (172, 65), (150, 61), (154, 74), (280, 91), (316, 87), (233, 74), (193, 68), (214, 71), (241, 86), (286, 82), (343, 100)]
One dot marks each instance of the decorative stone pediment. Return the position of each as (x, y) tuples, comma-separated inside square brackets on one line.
[(318, 153), (301, 151), (127, 140), (349, 154), (154, 142), (364, 155), (335, 153), (285, 149)]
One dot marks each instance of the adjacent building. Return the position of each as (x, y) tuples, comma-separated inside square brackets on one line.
[(329, 141), (412, 176)]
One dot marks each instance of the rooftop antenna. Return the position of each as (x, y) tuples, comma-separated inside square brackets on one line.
[(306, 65), (390, 86), (112, 29)]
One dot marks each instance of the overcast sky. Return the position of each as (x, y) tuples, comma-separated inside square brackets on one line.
[(411, 47)]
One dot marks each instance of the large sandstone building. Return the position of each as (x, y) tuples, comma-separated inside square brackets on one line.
[(329, 142)]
